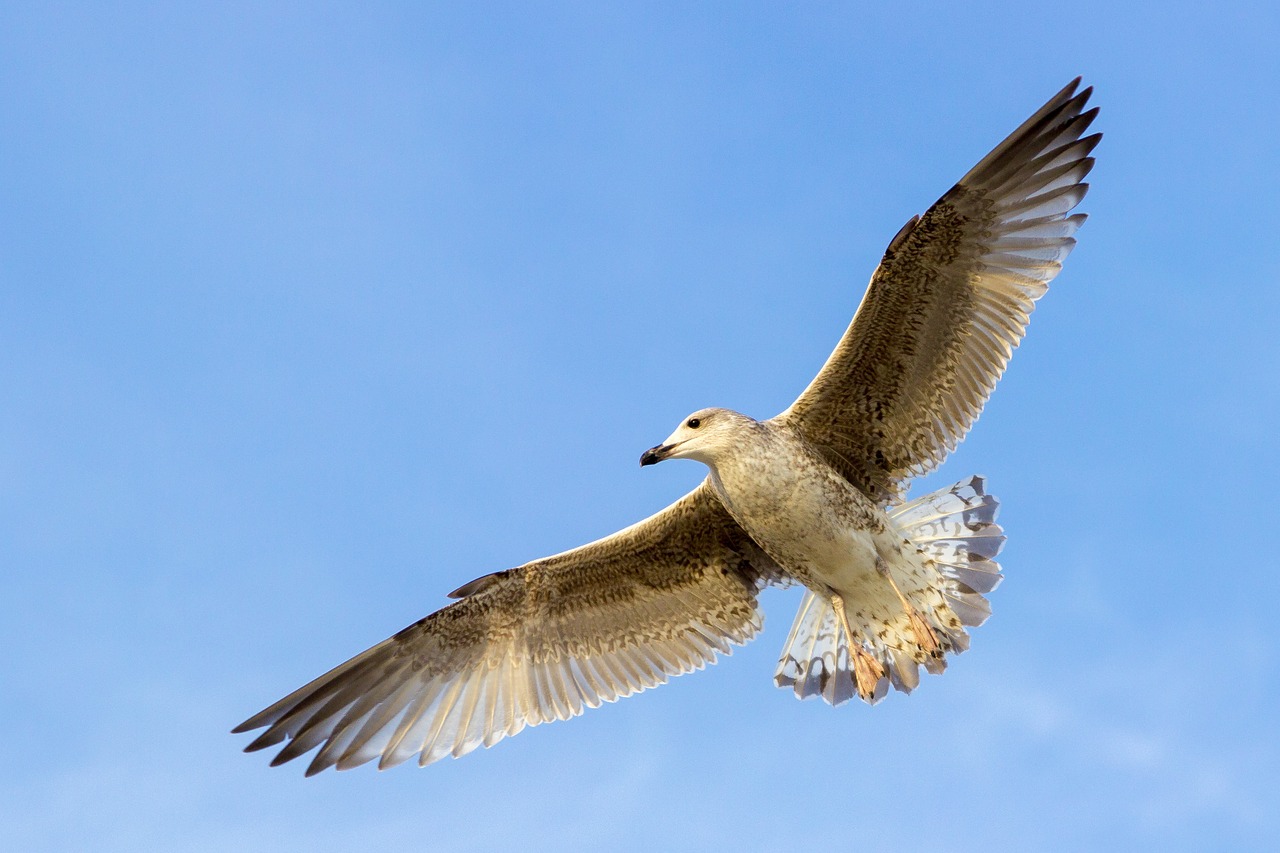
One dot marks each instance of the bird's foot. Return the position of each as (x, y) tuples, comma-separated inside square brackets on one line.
[(926, 639), (925, 636), (868, 673)]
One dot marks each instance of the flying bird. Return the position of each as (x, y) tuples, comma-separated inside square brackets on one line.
[(814, 495)]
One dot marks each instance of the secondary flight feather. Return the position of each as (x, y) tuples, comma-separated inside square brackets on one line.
[(813, 495)]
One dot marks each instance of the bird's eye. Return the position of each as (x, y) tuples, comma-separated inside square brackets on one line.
[(693, 423)]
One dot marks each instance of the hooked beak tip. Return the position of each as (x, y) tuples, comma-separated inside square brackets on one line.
[(654, 455)]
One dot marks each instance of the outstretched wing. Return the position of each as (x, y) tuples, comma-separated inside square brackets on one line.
[(537, 643), (948, 304)]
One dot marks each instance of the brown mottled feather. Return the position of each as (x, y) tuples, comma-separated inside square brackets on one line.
[(946, 306), (948, 303), (536, 643)]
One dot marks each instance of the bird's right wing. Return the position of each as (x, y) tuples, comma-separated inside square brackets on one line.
[(536, 643)]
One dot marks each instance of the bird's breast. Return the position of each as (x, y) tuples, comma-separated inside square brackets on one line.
[(805, 516)]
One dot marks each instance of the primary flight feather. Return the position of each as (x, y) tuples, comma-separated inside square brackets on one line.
[(813, 495)]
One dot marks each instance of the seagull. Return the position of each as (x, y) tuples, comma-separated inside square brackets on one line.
[(814, 496)]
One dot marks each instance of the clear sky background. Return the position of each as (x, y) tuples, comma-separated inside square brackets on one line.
[(310, 313)]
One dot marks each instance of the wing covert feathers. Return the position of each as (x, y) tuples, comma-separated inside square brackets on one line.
[(534, 644), (948, 303)]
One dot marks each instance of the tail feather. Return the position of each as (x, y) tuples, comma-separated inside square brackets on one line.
[(972, 608), (815, 639), (816, 660), (956, 528), (905, 672), (955, 532)]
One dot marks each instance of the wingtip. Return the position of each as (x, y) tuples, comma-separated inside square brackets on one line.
[(268, 738), (1068, 93), (248, 725), (319, 764)]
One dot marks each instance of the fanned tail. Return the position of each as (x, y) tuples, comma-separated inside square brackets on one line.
[(816, 659), (955, 533), (956, 529)]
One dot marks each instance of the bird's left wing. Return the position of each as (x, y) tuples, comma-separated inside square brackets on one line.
[(536, 643), (948, 303)]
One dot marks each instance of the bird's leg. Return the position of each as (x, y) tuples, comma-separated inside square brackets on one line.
[(925, 637), (867, 671)]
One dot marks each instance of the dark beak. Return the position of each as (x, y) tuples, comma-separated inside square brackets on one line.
[(655, 454)]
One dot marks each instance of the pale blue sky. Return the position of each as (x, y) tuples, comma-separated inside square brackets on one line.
[(309, 314)]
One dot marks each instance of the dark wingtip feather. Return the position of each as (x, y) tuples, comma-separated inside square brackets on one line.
[(1066, 102), (270, 737), (1086, 144), (1065, 93), (1086, 118), (319, 764)]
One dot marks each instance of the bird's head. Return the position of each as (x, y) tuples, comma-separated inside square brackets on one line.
[(705, 435)]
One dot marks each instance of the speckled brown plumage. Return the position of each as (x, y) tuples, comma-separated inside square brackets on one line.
[(803, 496), (547, 639), (948, 303)]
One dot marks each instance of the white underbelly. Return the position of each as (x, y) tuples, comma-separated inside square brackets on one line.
[(817, 529), (845, 564), (851, 560)]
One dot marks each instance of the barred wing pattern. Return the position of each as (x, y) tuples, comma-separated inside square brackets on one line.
[(948, 304), (537, 643)]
